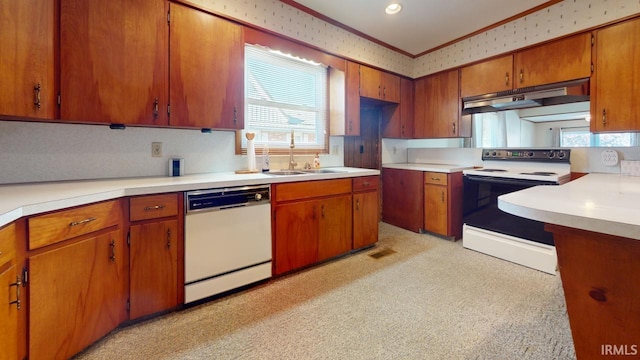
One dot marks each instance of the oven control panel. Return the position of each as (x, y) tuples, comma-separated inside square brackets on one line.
[(539, 155)]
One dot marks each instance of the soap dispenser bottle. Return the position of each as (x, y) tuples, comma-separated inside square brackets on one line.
[(265, 158)]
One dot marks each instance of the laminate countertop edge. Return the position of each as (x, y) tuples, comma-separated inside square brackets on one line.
[(603, 203), (19, 200)]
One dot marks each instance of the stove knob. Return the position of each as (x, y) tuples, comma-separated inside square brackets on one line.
[(551, 154), (561, 155), (530, 154), (494, 153), (258, 197)]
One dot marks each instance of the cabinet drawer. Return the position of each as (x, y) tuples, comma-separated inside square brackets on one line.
[(435, 178), (7, 244), (366, 183), (153, 206), (66, 224), (311, 189)]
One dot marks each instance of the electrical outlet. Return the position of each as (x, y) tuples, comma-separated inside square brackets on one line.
[(609, 158), (156, 149)]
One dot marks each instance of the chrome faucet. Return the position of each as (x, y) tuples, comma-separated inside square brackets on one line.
[(292, 164)]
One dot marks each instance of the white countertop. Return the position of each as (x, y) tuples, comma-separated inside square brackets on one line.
[(20, 200), (604, 203), (435, 167)]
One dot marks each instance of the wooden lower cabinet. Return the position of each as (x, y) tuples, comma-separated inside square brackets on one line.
[(602, 291), (312, 221), (366, 211), (443, 204), (402, 198), (76, 295), (310, 231), (9, 313), (153, 262)]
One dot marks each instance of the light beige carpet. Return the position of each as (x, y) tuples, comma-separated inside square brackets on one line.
[(430, 299)]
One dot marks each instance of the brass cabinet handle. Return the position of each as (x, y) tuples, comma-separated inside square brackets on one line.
[(322, 210), (17, 301), (76, 223), (442, 196), (435, 179), (235, 114), (454, 127), (155, 109), (36, 94), (379, 92), (358, 205), (384, 92), (506, 78), (521, 75), (604, 117), (168, 238), (350, 125), (112, 245), (155, 207)]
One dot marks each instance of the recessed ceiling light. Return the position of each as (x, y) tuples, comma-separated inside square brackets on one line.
[(393, 8)]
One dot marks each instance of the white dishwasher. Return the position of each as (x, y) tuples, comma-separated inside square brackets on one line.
[(227, 235)]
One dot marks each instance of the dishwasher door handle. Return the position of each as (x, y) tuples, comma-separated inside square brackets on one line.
[(232, 206)]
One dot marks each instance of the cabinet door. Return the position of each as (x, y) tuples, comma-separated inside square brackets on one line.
[(487, 77), (335, 224), (296, 234), (113, 61), (561, 60), (370, 82), (9, 314), (435, 209), (398, 119), (390, 87), (616, 81), (206, 70), (441, 105), (353, 99), (153, 268), (402, 198), (27, 59), (76, 295), (365, 219)]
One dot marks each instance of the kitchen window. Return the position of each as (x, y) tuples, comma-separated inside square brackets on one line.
[(284, 93), (581, 137)]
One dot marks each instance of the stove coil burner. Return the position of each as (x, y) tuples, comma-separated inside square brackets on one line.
[(493, 170), (540, 173)]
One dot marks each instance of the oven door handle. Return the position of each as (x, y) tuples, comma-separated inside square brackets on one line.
[(507, 181)]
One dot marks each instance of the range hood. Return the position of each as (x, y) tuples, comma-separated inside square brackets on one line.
[(553, 94)]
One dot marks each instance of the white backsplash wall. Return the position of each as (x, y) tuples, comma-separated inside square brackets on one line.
[(34, 152)]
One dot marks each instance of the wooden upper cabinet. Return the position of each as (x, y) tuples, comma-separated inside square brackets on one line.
[(344, 100), (487, 77), (437, 106), (556, 61), (113, 61), (352, 99), (27, 66), (615, 84), (375, 84), (561, 60), (206, 56), (397, 120)]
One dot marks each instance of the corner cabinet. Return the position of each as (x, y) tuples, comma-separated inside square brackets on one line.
[(113, 61), (27, 64), (206, 61), (76, 265), (443, 204), (438, 106), (615, 84), (10, 294), (154, 244), (312, 222), (397, 121)]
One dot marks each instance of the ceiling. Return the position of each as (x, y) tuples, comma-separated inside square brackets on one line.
[(422, 25)]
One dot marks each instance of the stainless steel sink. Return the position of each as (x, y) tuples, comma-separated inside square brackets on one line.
[(286, 172), (321, 171)]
